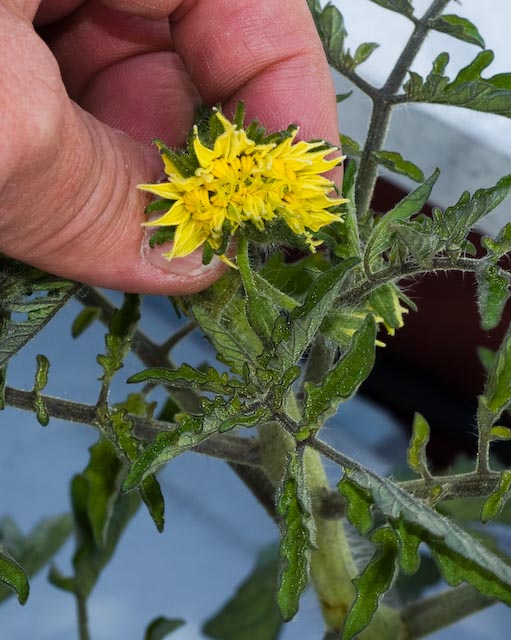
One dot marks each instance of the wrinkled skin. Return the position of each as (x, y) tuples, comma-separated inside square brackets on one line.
[(83, 93)]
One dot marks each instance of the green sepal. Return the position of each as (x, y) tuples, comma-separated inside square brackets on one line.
[(495, 503), (394, 161), (162, 627), (34, 550), (416, 455), (297, 536), (374, 581), (161, 236), (186, 377), (13, 576), (86, 317), (342, 381), (251, 612), (159, 205), (457, 27), (184, 163)]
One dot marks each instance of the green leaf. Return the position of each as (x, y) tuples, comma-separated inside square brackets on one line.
[(297, 536), (498, 247), (375, 580), (121, 328), (297, 331), (395, 162), (385, 302), (152, 496), (342, 381), (350, 147), (460, 556), (41, 380), (416, 454), (363, 52), (86, 317), (500, 433), (411, 204), (331, 27), (497, 391), (162, 627), (457, 27), (404, 7), (103, 476), (186, 377), (218, 416), (492, 294), (34, 550), (420, 240), (251, 612), (469, 89), (341, 97), (457, 220), (28, 291), (359, 504), (13, 575), (496, 502)]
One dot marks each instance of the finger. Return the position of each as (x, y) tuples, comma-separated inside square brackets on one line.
[(267, 54), (68, 202)]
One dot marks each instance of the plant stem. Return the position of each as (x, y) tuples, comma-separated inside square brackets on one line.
[(382, 107), (83, 621), (429, 615)]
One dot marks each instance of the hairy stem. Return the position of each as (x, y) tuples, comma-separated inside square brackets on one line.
[(382, 107), (429, 615)]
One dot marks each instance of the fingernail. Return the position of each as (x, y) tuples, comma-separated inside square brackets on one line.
[(190, 265)]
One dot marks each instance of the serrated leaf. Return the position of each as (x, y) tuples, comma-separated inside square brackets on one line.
[(162, 627), (492, 294), (374, 581), (26, 290), (186, 377), (385, 302), (34, 550), (420, 240), (341, 382), (13, 576), (330, 23), (297, 536), (404, 7), (218, 416), (498, 247), (469, 89), (495, 502), (411, 204), (457, 27), (251, 612), (394, 161), (84, 319), (298, 329), (121, 328), (416, 455), (460, 556)]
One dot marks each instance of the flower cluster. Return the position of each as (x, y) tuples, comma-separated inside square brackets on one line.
[(233, 179)]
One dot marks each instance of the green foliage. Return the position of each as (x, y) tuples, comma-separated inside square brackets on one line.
[(33, 294), (417, 459), (497, 392), (34, 550), (86, 317), (251, 612), (496, 501), (468, 89), (40, 382), (186, 377), (341, 382), (297, 536), (162, 627), (403, 7), (457, 27), (394, 161), (13, 575)]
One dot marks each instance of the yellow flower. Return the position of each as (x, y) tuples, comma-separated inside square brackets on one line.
[(234, 182)]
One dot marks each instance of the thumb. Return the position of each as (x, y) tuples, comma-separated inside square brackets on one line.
[(68, 198)]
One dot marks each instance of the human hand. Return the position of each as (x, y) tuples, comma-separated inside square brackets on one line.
[(81, 101)]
